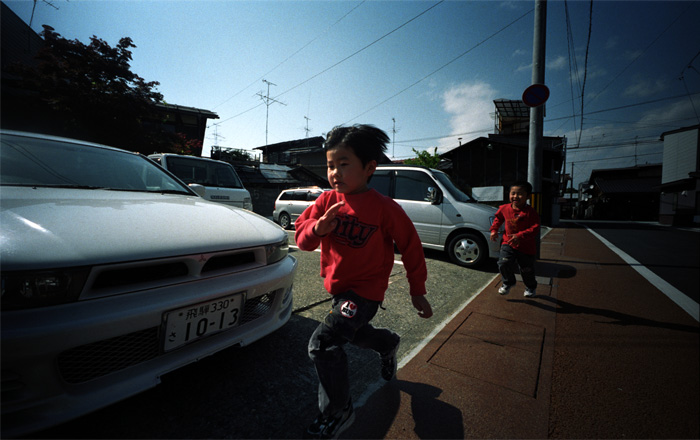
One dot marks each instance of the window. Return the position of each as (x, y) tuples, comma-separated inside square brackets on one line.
[(413, 185), (381, 181)]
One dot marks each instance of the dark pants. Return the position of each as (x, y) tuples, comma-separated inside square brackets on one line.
[(348, 321), (509, 259)]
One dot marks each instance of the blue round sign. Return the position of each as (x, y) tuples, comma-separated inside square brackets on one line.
[(535, 95)]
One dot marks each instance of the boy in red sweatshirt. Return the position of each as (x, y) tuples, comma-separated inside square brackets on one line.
[(356, 228), (519, 245)]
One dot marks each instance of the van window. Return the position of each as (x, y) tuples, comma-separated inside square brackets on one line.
[(381, 181), (413, 185), (204, 172), (456, 193)]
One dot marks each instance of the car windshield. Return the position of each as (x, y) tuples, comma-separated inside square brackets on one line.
[(451, 188), (44, 162)]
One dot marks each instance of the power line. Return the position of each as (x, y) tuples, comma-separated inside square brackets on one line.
[(339, 62), (615, 157), (288, 58), (443, 66), (652, 101), (585, 68), (362, 49)]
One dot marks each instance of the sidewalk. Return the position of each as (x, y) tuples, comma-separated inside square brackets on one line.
[(598, 353)]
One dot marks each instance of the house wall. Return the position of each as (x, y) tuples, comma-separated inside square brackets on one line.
[(680, 190), (680, 156)]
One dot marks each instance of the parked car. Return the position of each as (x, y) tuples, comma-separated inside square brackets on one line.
[(445, 218), (291, 203), (114, 273), (219, 179)]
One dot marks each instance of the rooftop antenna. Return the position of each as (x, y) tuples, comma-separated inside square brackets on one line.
[(268, 101), (393, 139), (307, 129)]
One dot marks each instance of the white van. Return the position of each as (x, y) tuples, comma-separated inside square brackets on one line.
[(445, 218), (219, 179)]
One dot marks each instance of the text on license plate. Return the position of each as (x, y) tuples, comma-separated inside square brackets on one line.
[(199, 320)]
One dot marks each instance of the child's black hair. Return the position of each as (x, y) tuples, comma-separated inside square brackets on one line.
[(367, 141), (524, 185)]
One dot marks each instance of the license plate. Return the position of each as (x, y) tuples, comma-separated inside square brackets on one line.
[(197, 321)]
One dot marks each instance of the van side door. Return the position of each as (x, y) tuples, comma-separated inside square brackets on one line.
[(412, 190)]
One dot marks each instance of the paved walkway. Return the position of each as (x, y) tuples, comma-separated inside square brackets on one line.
[(598, 353)]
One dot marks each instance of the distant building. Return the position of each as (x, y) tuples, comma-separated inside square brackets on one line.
[(307, 152), (680, 180), (622, 194)]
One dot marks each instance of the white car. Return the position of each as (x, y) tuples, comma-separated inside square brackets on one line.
[(219, 179), (114, 273), (291, 203)]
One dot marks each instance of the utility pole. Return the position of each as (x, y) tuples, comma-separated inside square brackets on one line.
[(571, 194), (534, 163), (268, 101)]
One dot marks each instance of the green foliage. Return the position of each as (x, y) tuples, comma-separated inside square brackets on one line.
[(423, 158), (231, 154), (89, 92)]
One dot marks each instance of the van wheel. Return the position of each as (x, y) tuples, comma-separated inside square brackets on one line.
[(467, 250), (285, 221)]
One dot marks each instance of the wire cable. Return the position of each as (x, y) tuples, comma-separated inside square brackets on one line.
[(442, 67)]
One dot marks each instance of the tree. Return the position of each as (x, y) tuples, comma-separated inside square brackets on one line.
[(89, 92), (423, 158)]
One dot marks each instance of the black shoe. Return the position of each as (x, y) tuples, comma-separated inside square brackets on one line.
[(331, 427), (389, 363)]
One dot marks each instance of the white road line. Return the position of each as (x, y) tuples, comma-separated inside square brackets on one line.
[(675, 295)]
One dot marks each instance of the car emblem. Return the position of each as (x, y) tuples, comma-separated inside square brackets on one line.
[(202, 258)]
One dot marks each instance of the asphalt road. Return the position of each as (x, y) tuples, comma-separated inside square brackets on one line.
[(268, 389), (671, 253)]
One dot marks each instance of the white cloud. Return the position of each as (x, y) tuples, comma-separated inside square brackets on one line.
[(643, 88), (470, 106), (631, 55), (524, 67), (558, 63), (612, 42)]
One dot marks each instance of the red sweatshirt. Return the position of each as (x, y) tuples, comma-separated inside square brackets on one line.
[(524, 223), (359, 254)]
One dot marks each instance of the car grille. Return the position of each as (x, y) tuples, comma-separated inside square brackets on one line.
[(97, 359), (117, 279)]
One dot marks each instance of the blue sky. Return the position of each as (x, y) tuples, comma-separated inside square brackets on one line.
[(426, 72)]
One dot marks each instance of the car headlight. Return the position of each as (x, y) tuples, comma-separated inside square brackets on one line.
[(27, 289), (276, 252)]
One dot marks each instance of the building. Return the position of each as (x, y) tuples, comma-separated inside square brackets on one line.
[(622, 194), (680, 180), (308, 153)]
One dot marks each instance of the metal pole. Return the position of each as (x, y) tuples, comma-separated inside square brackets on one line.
[(534, 164)]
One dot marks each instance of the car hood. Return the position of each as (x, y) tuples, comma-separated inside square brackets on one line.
[(48, 227)]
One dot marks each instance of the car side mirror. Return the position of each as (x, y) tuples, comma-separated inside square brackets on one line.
[(433, 195), (199, 189)]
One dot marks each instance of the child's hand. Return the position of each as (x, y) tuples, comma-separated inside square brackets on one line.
[(494, 236), (326, 223), (514, 240), (423, 306)]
